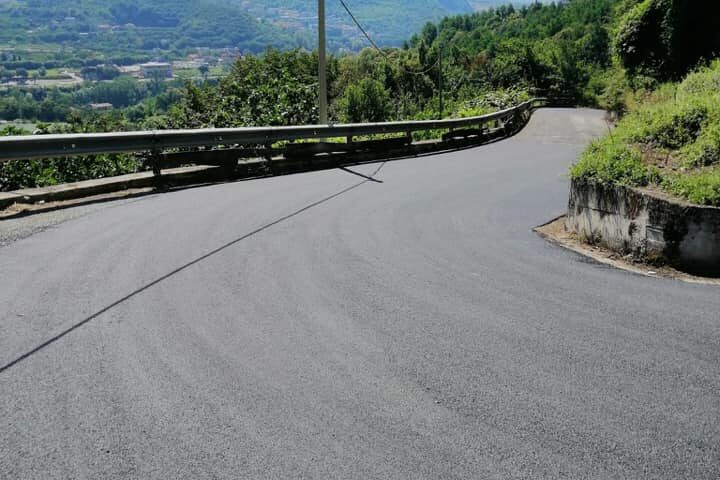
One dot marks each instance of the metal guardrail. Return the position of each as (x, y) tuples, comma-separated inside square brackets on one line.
[(157, 141)]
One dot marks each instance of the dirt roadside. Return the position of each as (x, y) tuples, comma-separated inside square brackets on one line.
[(555, 232)]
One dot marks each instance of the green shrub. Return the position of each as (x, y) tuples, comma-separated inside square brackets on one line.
[(680, 120), (612, 161), (669, 125), (701, 187), (19, 174), (641, 42), (706, 150), (367, 101), (615, 89), (704, 81), (666, 38)]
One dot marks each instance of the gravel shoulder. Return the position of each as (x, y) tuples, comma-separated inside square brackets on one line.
[(556, 233)]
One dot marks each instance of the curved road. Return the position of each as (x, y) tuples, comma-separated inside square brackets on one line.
[(326, 326)]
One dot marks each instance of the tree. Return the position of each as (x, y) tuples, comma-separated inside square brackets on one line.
[(279, 88), (429, 33), (367, 101), (157, 81), (204, 70), (664, 39)]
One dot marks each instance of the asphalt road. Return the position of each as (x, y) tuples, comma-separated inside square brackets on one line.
[(326, 326)]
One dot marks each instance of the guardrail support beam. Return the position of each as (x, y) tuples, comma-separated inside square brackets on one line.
[(159, 141)]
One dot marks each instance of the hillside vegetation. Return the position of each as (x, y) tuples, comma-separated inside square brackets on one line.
[(389, 21), (115, 26), (123, 27), (136, 25), (490, 58), (671, 139), (670, 135), (609, 53)]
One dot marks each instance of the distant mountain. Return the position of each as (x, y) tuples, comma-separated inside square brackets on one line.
[(485, 4), (250, 25), (388, 21), (455, 5), (138, 25)]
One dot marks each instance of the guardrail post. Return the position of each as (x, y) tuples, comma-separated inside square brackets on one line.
[(156, 164), (268, 159)]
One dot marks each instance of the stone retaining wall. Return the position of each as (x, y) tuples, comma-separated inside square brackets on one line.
[(633, 221)]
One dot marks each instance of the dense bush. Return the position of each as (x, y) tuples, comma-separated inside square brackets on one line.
[(669, 125), (666, 38), (557, 49), (701, 186), (705, 151), (279, 88), (680, 123), (490, 60), (368, 101), (19, 174), (39, 173), (613, 161)]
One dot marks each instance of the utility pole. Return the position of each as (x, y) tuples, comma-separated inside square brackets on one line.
[(440, 82), (322, 66)]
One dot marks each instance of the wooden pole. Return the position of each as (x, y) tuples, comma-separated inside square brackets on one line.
[(322, 66)]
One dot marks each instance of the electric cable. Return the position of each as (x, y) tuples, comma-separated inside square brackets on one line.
[(380, 50)]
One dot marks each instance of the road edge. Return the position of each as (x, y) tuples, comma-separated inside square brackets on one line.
[(555, 233)]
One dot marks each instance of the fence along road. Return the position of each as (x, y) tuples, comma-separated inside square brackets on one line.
[(53, 146), (326, 326)]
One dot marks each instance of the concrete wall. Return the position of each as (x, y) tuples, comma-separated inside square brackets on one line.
[(641, 223)]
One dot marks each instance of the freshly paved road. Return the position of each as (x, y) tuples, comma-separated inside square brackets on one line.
[(323, 326)]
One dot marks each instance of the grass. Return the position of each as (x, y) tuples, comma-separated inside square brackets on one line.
[(705, 150), (677, 122), (611, 160), (701, 186)]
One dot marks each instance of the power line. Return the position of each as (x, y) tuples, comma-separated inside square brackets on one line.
[(438, 62), (380, 50), (362, 29)]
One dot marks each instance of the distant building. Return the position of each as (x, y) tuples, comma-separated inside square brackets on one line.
[(151, 69), (101, 106)]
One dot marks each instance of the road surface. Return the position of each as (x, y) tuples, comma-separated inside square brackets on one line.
[(327, 326)]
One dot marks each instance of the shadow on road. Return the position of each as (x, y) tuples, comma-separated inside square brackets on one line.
[(25, 356)]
